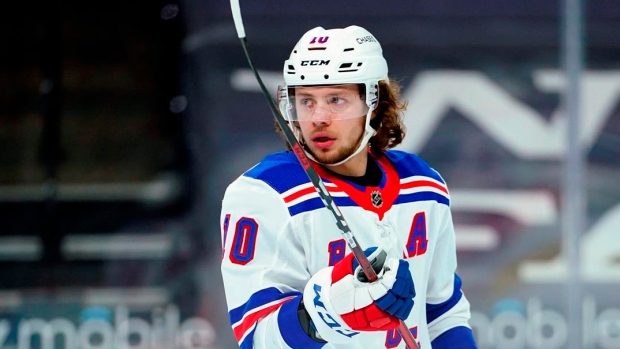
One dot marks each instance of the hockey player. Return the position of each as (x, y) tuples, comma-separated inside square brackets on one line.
[(289, 277)]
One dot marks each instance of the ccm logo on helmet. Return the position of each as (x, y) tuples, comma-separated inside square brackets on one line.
[(315, 62), (364, 39)]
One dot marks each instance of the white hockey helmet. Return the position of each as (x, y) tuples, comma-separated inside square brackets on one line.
[(350, 55)]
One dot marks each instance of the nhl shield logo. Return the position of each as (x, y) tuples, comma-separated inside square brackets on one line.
[(376, 199)]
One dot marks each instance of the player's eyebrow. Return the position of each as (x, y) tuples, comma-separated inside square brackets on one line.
[(334, 91)]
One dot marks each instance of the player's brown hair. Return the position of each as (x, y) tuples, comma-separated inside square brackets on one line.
[(388, 120)]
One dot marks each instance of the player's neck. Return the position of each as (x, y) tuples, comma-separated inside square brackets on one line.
[(354, 167), (371, 178)]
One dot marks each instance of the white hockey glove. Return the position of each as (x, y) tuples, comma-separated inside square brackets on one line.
[(341, 302)]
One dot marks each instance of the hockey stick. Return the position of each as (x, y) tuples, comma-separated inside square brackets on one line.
[(312, 174)]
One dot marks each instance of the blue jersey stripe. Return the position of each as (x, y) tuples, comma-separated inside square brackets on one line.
[(316, 203), (433, 311), (344, 201), (258, 299), (422, 196), (248, 342), (306, 206), (459, 337)]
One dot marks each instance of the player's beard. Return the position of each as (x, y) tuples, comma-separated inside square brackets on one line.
[(339, 156)]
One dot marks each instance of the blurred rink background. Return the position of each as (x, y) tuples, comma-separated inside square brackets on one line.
[(122, 122)]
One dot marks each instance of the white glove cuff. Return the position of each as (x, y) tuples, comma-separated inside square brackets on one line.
[(329, 325)]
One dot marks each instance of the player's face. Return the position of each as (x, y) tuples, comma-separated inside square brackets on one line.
[(330, 137)]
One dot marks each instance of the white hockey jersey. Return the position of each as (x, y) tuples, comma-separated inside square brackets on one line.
[(277, 233)]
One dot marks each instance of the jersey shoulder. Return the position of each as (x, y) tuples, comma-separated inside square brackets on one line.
[(409, 165), (281, 171)]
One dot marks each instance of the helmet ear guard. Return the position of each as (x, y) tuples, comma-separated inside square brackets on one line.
[(371, 91)]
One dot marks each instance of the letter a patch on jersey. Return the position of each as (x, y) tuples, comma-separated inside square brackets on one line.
[(417, 244)]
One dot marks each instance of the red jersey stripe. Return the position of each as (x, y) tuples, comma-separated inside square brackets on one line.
[(250, 320), (299, 194), (306, 191), (423, 183)]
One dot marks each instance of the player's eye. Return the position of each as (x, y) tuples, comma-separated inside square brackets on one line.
[(336, 100), (306, 102)]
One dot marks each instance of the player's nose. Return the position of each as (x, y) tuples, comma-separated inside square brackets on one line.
[(322, 114)]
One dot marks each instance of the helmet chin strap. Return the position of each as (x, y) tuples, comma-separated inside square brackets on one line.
[(368, 133)]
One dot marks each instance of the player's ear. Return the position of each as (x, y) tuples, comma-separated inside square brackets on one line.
[(375, 119), (373, 114)]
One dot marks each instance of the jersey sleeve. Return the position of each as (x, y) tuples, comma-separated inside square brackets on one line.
[(447, 308), (263, 268)]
